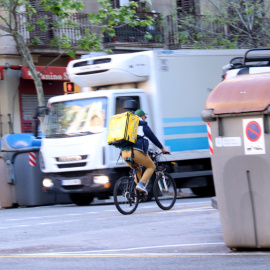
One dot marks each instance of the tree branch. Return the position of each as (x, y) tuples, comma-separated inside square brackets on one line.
[(5, 29), (2, 27), (5, 35), (51, 62)]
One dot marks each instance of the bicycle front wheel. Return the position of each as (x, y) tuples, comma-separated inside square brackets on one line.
[(165, 191), (125, 195)]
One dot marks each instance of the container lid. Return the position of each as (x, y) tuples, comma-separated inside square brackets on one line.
[(243, 93), (18, 141)]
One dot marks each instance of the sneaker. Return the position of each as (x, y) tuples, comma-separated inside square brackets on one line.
[(140, 186)]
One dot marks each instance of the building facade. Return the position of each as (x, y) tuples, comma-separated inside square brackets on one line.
[(18, 98)]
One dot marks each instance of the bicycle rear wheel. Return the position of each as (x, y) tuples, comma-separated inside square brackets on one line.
[(125, 195), (165, 191)]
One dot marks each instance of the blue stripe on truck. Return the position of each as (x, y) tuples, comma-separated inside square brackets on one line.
[(188, 128), (185, 130), (182, 119), (187, 144)]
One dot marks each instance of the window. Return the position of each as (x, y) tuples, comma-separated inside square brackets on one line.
[(76, 117), (186, 6), (44, 37), (115, 3), (120, 103), (119, 3)]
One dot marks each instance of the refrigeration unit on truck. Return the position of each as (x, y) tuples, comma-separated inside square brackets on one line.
[(171, 86)]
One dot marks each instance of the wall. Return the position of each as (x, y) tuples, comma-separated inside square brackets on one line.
[(163, 7), (91, 6), (9, 102)]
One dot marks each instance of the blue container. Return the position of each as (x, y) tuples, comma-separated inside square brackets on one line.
[(20, 140)]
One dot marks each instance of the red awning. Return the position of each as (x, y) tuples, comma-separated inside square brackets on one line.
[(49, 74)]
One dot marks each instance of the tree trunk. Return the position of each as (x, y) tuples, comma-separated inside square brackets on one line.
[(25, 53)]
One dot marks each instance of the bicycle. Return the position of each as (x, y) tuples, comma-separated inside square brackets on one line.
[(127, 198)]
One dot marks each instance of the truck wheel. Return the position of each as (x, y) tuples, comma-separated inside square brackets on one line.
[(81, 199), (208, 191)]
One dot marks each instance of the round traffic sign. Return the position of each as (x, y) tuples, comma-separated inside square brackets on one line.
[(253, 131)]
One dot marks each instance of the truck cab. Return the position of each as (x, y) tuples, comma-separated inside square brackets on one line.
[(74, 154)]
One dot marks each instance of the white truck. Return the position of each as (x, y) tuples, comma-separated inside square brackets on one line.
[(171, 86)]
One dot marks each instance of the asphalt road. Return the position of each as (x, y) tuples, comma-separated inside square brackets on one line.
[(188, 236)]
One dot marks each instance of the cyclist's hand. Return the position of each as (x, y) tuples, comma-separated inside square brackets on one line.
[(165, 151)]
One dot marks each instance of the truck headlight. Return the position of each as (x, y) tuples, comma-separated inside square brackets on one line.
[(101, 179), (47, 182)]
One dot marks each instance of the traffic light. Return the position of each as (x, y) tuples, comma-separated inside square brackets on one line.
[(69, 88)]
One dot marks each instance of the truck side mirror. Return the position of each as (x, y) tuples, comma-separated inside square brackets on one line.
[(35, 125), (40, 111)]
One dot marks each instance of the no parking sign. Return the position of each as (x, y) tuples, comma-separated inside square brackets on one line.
[(253, 136)]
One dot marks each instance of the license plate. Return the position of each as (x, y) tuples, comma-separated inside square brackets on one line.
[(71, 182)]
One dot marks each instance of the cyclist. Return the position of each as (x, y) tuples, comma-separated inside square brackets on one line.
[(139, 153)]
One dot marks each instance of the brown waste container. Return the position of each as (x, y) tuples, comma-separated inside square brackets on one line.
[(237, 112)]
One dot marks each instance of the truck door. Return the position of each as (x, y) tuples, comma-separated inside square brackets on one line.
[(119, 107)]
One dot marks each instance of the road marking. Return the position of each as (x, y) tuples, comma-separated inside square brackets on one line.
[(45, 217), (120, 252), (41, 223), (181, 204), (135, 255), (22, 225), (183, 209), (148, 247), (148, 207), (189, 210), (55, 222)]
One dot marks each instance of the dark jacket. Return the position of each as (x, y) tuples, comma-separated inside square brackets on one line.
[(142, 142)]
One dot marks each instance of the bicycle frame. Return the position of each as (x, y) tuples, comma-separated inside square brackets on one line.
[(162, 177), (135, 169), (164, 188)]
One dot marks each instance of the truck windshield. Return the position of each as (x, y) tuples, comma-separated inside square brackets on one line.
[(76, 117)]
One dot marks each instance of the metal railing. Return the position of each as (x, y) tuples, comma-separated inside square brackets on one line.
[(137, 35), (167, 32), (45, 37), (124, 34)]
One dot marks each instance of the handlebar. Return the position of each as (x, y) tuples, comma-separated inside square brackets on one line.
[(158, 152), (153, 155), (159, 165)]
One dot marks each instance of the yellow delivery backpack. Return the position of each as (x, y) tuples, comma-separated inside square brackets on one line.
[(123, 129)]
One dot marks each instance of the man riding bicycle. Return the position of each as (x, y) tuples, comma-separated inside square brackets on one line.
[(140, 150)]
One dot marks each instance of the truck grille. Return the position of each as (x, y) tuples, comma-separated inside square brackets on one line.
[(71, 165), (73, 187), (71, 158)]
